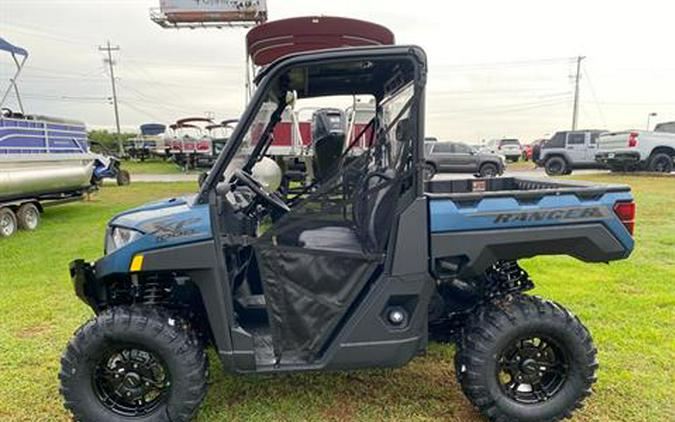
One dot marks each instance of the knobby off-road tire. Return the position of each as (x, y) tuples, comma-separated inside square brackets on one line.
[(487, 347), (133, 364)]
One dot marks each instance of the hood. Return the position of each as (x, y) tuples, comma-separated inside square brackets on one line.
[(169, 221)]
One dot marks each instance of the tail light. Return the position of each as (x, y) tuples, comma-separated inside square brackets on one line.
[(633, 139), (626, 213)]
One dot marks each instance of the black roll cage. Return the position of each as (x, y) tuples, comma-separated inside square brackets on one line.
[(268, 76)]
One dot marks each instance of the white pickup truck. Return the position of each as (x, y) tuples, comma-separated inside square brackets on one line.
[(639, 149)]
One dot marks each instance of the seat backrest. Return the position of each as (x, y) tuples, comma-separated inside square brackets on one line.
[(378, 196), (374, 209)]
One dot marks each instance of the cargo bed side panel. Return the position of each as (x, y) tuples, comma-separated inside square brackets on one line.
[(504, 228)]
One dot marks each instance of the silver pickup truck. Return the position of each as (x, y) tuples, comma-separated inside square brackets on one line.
[(633, 150)]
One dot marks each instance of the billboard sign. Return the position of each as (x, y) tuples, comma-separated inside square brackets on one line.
[(205, 11)]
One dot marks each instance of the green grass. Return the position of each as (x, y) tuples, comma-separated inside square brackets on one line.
[(153, 166), (629, 307), (519, 165)]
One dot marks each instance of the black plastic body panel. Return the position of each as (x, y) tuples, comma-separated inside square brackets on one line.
[(201, 262), (481, 248), (410, 253)]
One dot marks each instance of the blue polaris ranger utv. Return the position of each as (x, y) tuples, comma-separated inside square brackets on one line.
[(358, 270)]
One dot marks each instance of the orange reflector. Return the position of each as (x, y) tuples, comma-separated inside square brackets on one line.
[(136, 263)]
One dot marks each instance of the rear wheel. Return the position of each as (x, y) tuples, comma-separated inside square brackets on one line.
[(526, 359), (555, 166), (8, 222), (123, 178), (661, 163), (428, 171), (202, 178), (28, 217), (488, 170), (133, 364)]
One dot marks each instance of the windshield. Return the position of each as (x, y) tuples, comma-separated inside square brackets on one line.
[(252, 136)]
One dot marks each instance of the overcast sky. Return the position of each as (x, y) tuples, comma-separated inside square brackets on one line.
[(497, 68)]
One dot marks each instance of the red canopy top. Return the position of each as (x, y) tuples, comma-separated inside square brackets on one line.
[(270, 41)]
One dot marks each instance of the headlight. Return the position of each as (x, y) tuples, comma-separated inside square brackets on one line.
[(119, 237)]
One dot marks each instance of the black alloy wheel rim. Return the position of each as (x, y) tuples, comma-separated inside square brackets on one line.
[(555, 167), (532, 369), (662, 164), (131, 381)]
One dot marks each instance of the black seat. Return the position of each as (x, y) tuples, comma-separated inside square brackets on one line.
[(373, 211), (331, 238)]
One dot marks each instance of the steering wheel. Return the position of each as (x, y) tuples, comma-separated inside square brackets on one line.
[(258, 189)]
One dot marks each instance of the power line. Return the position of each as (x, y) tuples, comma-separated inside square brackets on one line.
[(595, 98), (508, 108), (501, 65)]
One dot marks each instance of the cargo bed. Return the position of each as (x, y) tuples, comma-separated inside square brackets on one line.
[(476, 222)]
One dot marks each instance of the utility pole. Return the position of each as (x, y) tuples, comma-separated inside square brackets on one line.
[(111, 63), (575, 111)]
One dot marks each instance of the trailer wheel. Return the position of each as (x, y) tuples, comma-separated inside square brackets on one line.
[(123, 178), (8, 223), (28, 217), (526, 359), (133, 364)]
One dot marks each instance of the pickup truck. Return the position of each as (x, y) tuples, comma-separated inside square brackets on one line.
[(357, 271), (633, 150)]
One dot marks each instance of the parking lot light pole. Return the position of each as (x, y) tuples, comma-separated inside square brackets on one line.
[(649, 117)]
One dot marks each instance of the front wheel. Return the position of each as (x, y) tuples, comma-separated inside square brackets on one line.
[(133, 364), (526, 359)]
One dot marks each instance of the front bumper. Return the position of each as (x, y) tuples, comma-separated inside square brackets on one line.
[(83, 275)]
